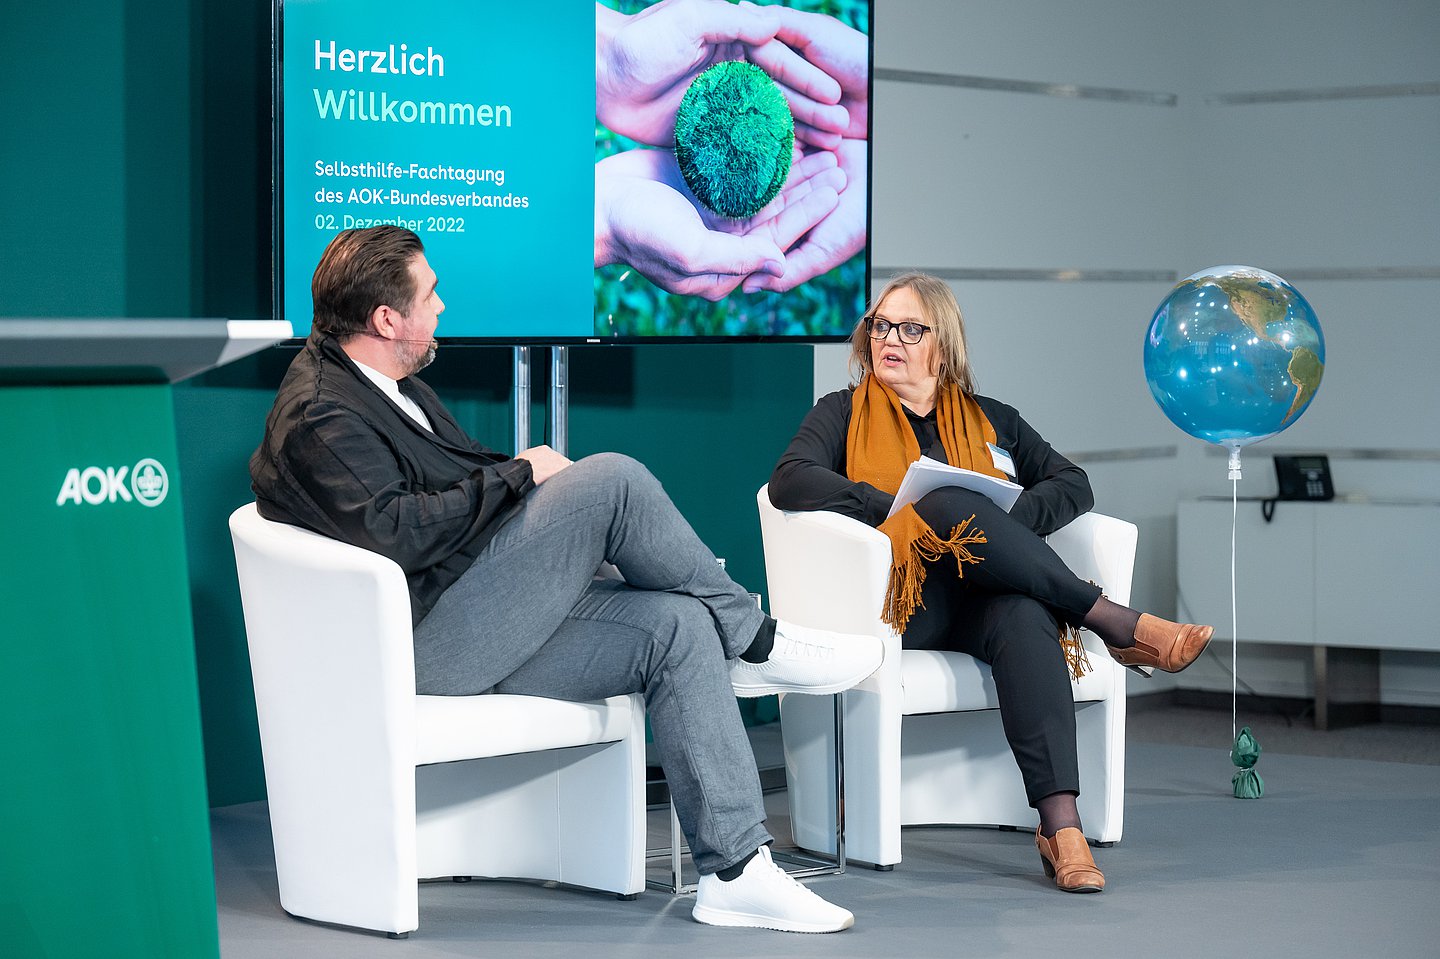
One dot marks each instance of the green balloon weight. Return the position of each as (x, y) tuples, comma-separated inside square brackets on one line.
[(1245, 753)]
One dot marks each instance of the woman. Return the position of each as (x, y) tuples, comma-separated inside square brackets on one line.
[(1014, 604)]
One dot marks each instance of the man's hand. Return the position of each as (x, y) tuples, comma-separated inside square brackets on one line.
[(544, 462)]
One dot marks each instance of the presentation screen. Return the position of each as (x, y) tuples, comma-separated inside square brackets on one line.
[(581, 171)]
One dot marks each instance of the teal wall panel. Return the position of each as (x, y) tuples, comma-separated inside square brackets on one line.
[(218, 427), (159, 163), (65, 143)]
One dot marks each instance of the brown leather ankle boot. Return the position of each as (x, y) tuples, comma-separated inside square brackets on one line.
[(1162, 644), (1066, 858)]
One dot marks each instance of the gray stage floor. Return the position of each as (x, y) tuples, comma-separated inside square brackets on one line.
[(1341, 858)]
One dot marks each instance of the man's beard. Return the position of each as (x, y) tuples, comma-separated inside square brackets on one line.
[(422, 360)]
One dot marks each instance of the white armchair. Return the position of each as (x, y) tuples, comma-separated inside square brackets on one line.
[(372, 787), (923, 739)]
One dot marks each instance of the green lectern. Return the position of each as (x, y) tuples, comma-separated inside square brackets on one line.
[(106, 828)]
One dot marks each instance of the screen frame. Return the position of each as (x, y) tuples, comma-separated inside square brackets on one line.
[(277, 231)]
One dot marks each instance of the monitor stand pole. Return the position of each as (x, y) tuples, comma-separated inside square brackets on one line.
[(559, 400), (521, 382)]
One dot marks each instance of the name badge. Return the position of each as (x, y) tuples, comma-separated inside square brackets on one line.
[(1002, 460)]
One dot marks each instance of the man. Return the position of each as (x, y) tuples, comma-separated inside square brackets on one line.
[(501, 554)]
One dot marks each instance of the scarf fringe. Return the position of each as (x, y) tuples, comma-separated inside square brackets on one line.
[(907, 571), (1075, 655)]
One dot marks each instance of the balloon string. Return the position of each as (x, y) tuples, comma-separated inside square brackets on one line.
[(1234, 632)]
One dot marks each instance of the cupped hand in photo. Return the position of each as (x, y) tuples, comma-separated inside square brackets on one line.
[(644, 63), (842, 52), (647, 218), (835, 238)]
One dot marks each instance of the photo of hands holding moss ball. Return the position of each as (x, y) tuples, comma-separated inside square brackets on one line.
[(730, 156)]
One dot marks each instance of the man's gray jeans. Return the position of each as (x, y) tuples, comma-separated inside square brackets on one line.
[(529, 618)]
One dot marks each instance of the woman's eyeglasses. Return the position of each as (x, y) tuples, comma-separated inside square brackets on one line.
[(909, 333)]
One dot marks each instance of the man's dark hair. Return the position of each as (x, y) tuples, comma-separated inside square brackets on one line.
[(359, 271)]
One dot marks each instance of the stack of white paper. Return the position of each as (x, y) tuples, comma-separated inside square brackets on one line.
[(926, 474)]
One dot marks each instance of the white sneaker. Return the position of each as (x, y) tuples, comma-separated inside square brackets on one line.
[(806, 660), (765, 897)]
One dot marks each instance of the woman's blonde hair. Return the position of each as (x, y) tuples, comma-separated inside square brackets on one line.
[(940, 312)]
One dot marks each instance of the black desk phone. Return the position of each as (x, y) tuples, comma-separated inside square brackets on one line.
[(1304, 478)]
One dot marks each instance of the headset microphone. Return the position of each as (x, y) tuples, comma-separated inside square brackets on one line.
[(396, 339)]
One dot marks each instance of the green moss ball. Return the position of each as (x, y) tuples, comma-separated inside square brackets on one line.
[(733, 138)]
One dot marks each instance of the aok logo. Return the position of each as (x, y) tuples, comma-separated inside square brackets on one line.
[(145, 483)]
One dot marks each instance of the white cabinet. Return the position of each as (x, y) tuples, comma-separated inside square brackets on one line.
[(1348, 579), (1377, 576), (1362, 575)]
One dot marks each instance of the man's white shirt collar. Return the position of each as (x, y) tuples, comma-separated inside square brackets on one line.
[(391, 388)]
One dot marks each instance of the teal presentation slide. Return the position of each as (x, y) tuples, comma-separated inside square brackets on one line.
[(472, 124)]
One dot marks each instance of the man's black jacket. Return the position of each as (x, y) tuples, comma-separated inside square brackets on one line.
[(340, 458)]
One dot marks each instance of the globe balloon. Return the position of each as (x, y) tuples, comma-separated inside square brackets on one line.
[(1233, 355)]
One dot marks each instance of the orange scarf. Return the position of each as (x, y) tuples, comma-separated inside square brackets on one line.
[(879, 449)]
